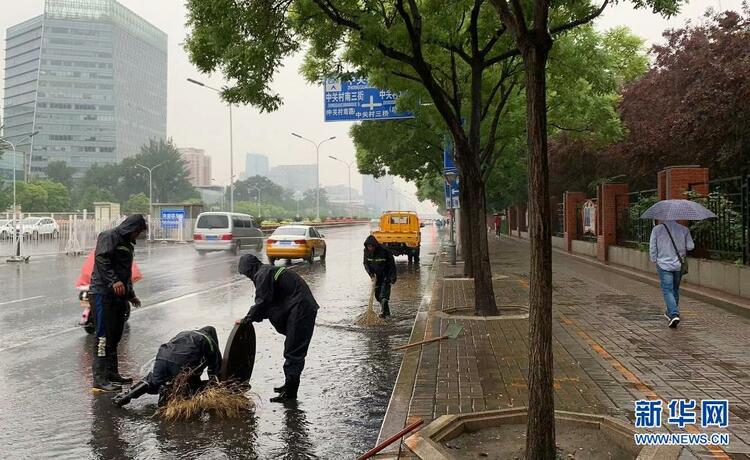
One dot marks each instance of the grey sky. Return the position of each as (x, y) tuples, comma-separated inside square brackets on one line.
[(197, 118)]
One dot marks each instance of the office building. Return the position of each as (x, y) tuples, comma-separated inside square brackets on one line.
[(294, 177), (256, 165), (198, 165), (341, 193), (379, 194), (91, 76)]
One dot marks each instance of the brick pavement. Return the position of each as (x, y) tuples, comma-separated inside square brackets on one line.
[(611, 347)]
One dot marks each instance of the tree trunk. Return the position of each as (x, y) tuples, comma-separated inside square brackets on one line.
[(466, 242), (540, 431), (475, 232)]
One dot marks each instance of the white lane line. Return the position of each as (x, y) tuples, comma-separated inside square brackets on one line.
[(158, 304), (22, 300)]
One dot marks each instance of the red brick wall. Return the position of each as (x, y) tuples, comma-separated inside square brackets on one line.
[(607, 207), (676, 180)]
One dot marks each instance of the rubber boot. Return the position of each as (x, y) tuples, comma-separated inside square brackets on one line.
[(136, 391), (280, 389), (113, 373), (101, 382), (386, 310), (290, 391)]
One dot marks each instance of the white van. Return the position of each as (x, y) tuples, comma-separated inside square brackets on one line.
[(226, 231)]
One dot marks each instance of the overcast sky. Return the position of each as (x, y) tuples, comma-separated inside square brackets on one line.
[(197, 118)]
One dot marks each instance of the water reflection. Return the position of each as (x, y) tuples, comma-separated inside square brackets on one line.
[(295, 435), (106, 429)]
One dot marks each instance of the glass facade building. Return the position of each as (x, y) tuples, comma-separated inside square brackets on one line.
[(91, 76)]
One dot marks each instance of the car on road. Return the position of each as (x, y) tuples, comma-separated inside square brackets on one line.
[(226, 231), (296, 242), (6, 229), (35, 227)]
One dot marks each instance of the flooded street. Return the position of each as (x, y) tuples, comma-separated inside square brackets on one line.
[(48, 410)]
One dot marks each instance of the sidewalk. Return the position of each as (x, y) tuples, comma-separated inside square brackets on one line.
[(611, 347)]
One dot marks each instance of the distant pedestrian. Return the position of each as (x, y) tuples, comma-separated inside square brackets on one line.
[(668, 249), (380, 264), (110, 291), (284, 298), (498, 224)]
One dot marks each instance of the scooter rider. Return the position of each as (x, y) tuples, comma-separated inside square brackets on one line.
[(111, 289), (380, 264), (283, 297), (194, 350)]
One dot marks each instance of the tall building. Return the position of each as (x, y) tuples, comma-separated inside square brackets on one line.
[(198, 166), (379, 194), (91, 77), (294, 177), (256, 165)]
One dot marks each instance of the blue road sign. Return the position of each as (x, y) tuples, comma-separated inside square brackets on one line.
[(356, 101), (451, 193), (449, 164), (172, 218)]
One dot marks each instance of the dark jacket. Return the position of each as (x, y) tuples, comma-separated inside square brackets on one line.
[(380, 263), (196, 350), (277, 292), (113, 260)]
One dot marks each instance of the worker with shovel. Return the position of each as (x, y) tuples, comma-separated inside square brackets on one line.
[(380, 264), (283, 297)]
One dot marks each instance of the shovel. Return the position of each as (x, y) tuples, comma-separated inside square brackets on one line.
[(451, 332)]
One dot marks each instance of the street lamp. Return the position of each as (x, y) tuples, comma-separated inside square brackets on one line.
[(231, 145), (317, 168), (450, 178), (257, 189), (17, 232), (349, 172), (150, 195)]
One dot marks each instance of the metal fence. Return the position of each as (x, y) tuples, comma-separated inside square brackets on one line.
[(558, 220), (633, 231), (725, 237)]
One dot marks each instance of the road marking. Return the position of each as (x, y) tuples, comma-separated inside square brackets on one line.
[(716, 451), (22, 300)]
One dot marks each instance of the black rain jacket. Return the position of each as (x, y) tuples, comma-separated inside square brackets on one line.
[(380, 263), (113, 260), (196, 350), (277, 292)]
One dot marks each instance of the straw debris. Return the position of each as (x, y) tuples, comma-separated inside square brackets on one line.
[(218, 399)]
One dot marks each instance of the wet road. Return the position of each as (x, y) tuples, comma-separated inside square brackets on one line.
[(47, 409)]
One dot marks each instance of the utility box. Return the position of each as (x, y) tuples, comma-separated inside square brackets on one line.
[(104, 211)]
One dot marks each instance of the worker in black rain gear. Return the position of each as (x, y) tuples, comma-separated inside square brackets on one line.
[(283, 297), (110, 291), (192, 351), (381, 265)]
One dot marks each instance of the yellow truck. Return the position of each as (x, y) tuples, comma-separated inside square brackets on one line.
[(400, 232)]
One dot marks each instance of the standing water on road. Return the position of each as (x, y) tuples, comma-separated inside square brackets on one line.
[(47, 409)]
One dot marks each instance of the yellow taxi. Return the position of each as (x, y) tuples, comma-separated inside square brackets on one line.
[(295, 242)]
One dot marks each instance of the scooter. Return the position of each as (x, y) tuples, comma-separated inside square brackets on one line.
[(87, 319), (83, 283)]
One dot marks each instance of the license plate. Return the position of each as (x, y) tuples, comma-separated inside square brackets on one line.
[(212, 237), (285, 243)]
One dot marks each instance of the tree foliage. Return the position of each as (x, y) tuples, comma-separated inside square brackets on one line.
[(136, 204), (59, 171)]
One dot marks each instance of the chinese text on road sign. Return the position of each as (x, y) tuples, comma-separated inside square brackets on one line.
[(356, 100), (172, 218)]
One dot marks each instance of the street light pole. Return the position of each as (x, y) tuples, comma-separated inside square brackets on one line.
[(17, 232), (317, 168), (258, 189), (231, 144), (150, 196), (450, 177), (349, 171)]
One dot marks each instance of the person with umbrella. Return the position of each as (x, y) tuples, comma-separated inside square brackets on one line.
[(668, 247)]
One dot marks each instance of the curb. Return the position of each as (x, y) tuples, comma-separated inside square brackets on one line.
[(715, 298), (398, 407)]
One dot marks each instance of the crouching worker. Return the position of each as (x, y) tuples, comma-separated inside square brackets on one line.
[(283, 297), (192, 351), (380, 264)]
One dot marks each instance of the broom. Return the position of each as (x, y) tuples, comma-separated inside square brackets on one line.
[(369, 317), (220, 399)]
